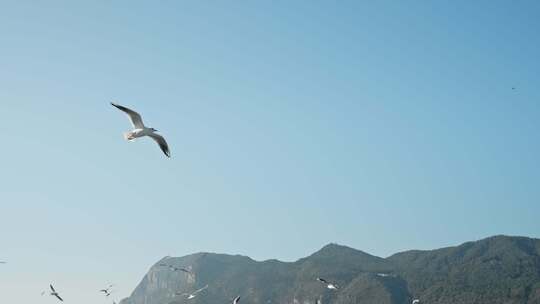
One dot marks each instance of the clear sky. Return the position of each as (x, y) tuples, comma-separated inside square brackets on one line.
[(381, 125)]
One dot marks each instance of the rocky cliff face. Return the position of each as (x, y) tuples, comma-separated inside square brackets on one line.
[(495, 270)]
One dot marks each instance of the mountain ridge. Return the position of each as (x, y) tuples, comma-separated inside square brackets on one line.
[(497, 269)]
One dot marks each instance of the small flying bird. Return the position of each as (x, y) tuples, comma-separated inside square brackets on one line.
[(176, 268), (193, 294), (54, 293), (182, 269), (107, 291), (108, 288), (236, 300), (140, 130), (415, 301), (329, 285)]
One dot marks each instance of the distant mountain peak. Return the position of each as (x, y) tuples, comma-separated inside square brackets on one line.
[(334, 249)]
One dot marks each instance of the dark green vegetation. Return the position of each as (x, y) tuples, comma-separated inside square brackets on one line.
[(499, 269)]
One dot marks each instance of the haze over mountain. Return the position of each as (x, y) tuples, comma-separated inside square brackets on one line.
[(499, 269)]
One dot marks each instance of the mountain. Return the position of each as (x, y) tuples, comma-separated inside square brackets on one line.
[(499, 269)]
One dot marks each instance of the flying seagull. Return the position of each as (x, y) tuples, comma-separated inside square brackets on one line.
[(140, 130), (236, 300), (54, 293), (177, 268), (107, 291), (174, 268), (329, 285), (193, 294), (415, 301)]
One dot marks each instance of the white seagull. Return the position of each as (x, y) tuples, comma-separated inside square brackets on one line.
[(54, 293), (415, 301), (236, 300), (193, 294), (329, 285), (140, 130)]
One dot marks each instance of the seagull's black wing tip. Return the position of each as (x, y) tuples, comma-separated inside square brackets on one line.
[(165, 150), (322, 280)]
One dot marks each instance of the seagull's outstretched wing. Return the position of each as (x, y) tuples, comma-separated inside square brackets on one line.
[(52, 288), (178, 293), (134, 117), (236, 300), (199, 290), (165, 148), (59, 297)]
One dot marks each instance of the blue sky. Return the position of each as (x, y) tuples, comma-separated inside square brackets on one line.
[(383, 126)]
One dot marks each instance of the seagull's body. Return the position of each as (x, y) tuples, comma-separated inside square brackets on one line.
[(106, 292), (329, 285), (55, 293), (140, 130)]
